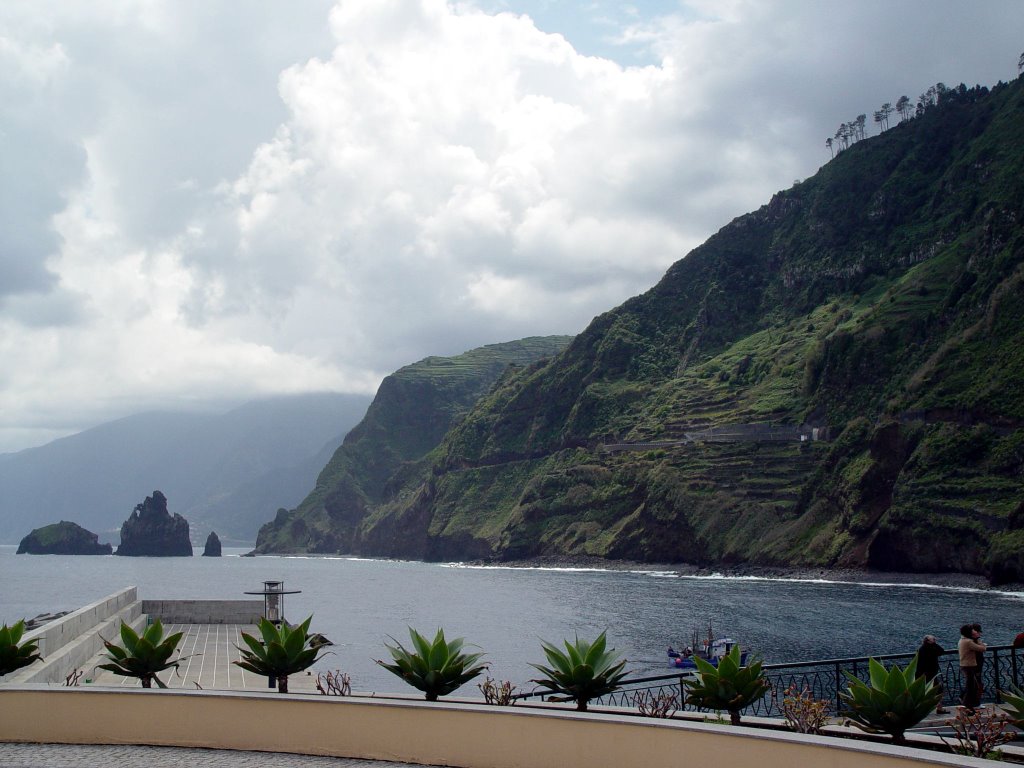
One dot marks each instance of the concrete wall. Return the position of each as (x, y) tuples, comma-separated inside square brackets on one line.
[(204, 611), (66, 629), (445, 733), (69, 642)]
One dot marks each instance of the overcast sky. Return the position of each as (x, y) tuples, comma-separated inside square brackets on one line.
[(212, 200)]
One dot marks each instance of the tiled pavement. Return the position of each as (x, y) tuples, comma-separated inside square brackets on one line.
[(101, 756), (207, 651)]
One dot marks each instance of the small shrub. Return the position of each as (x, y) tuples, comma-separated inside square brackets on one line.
[(13, 653), (728, 686), (661, 704), (437, 668), (335, 683), (1013, 705), (497, 694), (979, 734), (804, 713), (585, 671), (892, 701), (72, 679), (143, 655), (284, 651)]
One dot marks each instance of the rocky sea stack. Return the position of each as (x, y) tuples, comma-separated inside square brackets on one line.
[(212, 548), (152, 531), (63, 538)]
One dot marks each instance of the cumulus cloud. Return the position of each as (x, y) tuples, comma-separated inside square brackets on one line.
[(211, 203)]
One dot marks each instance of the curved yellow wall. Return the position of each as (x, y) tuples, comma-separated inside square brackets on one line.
[(445, 733)]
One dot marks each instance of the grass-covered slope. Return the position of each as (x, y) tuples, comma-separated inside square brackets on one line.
[(413, 410), (881, 299), (63, 538)]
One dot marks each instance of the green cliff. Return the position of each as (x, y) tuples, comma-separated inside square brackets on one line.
[(878, 305), (413, 410)]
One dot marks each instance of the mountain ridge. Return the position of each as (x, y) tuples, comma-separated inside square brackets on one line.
[(227, 470), (881, 298)]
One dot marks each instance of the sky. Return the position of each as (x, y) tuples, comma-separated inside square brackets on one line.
[(204, 202)]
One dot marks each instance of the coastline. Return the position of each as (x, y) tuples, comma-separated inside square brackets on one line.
[(789, 573), (950, 580)]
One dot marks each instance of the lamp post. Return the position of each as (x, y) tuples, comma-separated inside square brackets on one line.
[(273, 607), (273, 600)]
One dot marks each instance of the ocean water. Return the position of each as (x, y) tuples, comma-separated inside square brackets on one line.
[(359, 604)]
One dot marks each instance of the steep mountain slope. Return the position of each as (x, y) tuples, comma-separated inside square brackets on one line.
[(214, 468), (880, 301), (413, 410)]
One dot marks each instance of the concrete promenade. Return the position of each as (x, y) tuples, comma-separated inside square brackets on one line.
[(206, 654), (104, 756)]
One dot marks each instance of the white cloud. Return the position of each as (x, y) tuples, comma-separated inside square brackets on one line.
[(205, 203)]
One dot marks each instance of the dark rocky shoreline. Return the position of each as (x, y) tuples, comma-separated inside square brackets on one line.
[(952, 580), (851, 575)]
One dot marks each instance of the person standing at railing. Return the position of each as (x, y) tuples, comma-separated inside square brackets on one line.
[(1018, 641), (928, 665), (970, 649)]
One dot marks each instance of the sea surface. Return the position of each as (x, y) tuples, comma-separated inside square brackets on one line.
[(360, 604)]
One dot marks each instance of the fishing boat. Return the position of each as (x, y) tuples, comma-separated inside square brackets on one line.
[(711, 650)]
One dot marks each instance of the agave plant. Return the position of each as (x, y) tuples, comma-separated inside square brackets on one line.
[(585, 671), (1013, 705), (283, 651), (12, 654), (142, 656), (437, 668), (892, 701), (730, 685)]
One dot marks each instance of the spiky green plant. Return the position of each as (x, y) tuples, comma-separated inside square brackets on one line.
[(585, 671), (730, 685), (283, 651), (13, 653), (892, 701), (437, 668), (1013, 705), (142, 656)]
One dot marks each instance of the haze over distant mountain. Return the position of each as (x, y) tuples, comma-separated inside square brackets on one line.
[(226, 471)]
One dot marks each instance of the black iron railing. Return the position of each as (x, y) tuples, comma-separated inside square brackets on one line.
[(1003, 667)]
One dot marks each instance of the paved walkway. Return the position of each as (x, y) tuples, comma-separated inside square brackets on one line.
[(207, 652), (98, 756)]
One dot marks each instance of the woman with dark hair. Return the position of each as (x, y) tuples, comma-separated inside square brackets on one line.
[(970, 648), (928, 665)]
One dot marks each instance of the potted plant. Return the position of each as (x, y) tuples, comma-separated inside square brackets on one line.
[(729, 686), (583, 672), (283, 651), (142, 656), (437, 668)]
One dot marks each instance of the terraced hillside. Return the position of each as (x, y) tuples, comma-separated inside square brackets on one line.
[(881, 301)]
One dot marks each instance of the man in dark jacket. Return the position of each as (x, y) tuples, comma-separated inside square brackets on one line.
[(928, 665)]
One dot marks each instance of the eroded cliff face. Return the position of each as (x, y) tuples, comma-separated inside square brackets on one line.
[(152, 531), (387, 452)]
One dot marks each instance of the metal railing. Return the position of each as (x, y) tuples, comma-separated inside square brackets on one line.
[(825, 679)]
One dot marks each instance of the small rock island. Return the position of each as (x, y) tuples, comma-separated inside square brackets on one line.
[(63, 538), (212, 548), (152, 531)]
